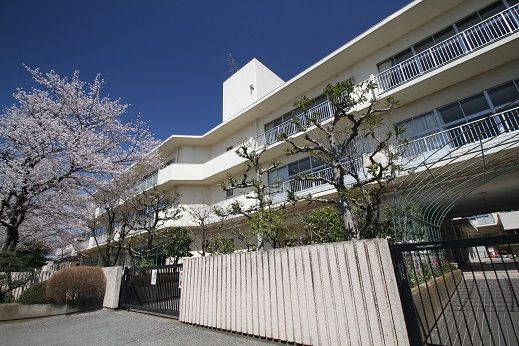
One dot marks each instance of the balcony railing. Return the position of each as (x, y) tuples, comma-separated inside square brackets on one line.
[(321, 111), (297, 185), (463, 43), (456, 137), (146, 183)]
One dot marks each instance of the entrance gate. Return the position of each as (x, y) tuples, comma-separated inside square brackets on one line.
[(460, 292), (152, 289)]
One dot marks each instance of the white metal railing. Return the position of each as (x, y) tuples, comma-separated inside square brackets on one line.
[(475, 131), (297, 185), (455, 137), (465, 42), (146, 183), (321, 111)]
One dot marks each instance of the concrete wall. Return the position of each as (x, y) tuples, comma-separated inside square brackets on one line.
[(10, 312), (338, 293), (113, 286)]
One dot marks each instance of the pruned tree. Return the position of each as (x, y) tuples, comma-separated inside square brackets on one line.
[(63, 136), (219, 244), (204, 216), (323, 225), (261, 213), (356, 147), (153, 209)]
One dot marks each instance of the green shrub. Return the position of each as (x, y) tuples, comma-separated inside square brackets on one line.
[(34, 294), (219, 244), (323, 225), (82, 286)]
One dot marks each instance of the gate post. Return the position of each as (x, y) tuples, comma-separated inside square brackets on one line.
[(411, 320), (124, 287)]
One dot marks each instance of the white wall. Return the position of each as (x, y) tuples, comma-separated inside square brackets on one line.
[(246, 86), (332, 294)]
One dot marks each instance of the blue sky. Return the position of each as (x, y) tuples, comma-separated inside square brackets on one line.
[(168, 58)]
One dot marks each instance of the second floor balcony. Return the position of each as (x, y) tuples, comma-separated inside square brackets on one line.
[(491, 134)]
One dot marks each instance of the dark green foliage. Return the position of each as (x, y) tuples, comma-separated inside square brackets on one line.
[(26, 258), (178, 244), (82, 286), (269, 224), (34, 294), (219, 244), (324, 225)]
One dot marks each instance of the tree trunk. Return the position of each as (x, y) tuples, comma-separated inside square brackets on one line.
[(347, 218), (11, 239)]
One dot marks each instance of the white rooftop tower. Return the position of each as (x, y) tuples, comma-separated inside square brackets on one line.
[(249, 84)]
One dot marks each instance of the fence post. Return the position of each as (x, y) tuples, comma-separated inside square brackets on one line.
[(411, 320)]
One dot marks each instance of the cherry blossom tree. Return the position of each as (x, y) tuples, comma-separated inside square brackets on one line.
[(108, 216), (63, 135)]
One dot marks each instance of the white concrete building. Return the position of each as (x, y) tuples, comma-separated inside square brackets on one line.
[(454, 67)]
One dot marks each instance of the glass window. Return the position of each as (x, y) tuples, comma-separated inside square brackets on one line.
[(503, 95), (282, 173), (288, 116), (444, 34), (491, 10), (293, 169), (272, 176), (402, 56), (277, 175), (304, 165), (425, 122), (385, 65), (512, 2), (424, 45), (407, 126), (451, 113), (474, 104), (467, 22), (317, 164)]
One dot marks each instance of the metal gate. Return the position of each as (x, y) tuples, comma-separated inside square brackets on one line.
[(152, 289), (460, 292)]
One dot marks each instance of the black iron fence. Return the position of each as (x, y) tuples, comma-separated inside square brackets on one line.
[(152, 289), (460, 292)]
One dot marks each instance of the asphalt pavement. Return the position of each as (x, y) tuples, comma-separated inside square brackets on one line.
[(108, 327)]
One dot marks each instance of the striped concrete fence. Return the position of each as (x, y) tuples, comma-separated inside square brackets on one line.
[(333, 294)]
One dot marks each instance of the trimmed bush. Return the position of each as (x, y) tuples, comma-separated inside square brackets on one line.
[(81, 286), (34, 294)]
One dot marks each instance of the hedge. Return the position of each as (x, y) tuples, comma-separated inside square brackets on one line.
[(82, 286), (34, 294)]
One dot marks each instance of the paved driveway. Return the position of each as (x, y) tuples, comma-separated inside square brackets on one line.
[(482, 311), (107, 327)]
